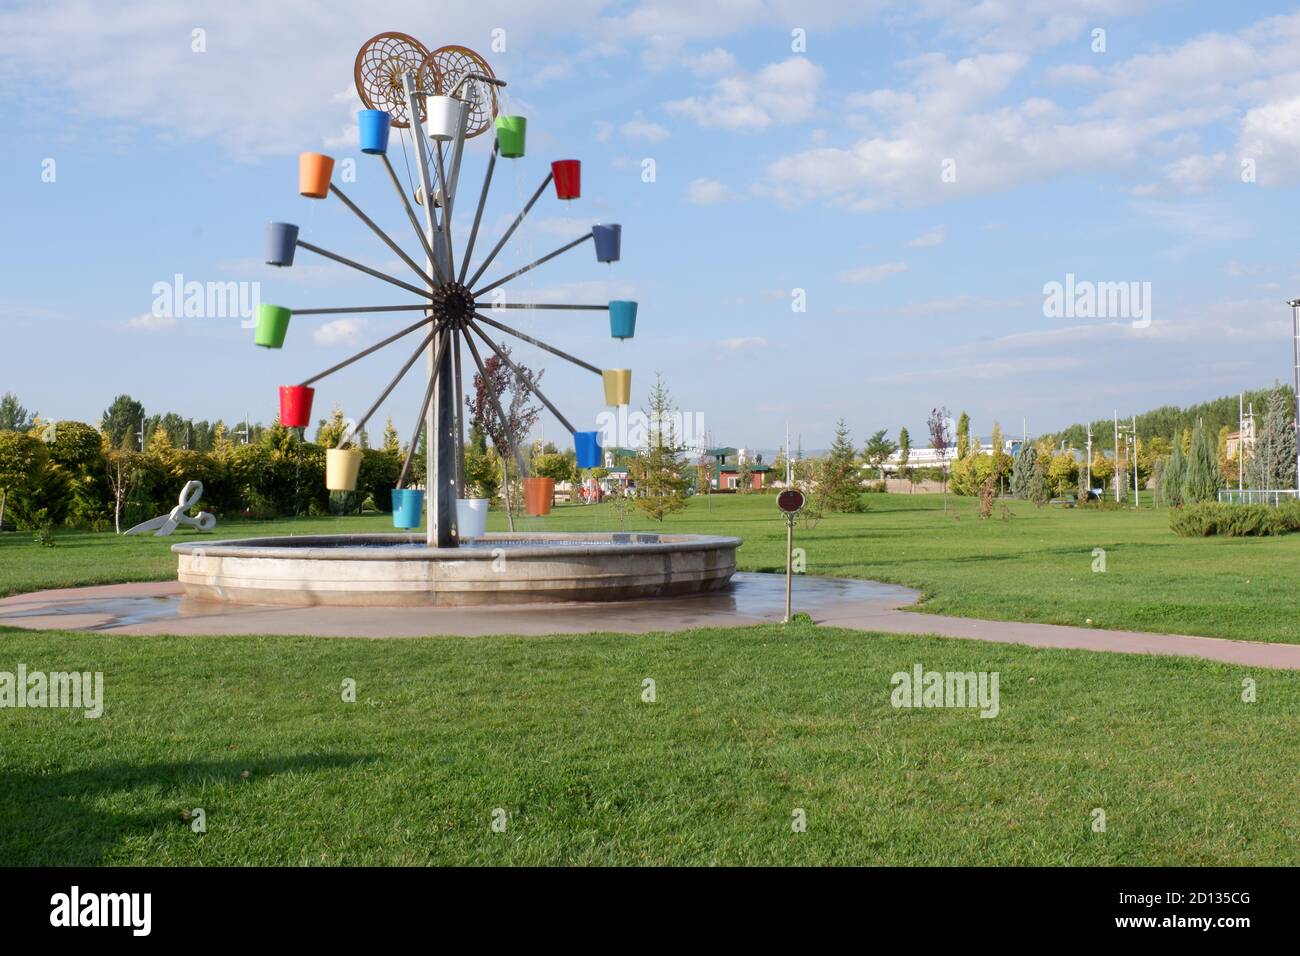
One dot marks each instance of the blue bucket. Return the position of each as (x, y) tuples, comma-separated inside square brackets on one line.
[(408, 507), (609, 241), (374, 125), (622, 318), (587, 445), (281, 241)]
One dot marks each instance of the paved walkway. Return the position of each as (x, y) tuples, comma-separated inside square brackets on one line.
[(161, 608)]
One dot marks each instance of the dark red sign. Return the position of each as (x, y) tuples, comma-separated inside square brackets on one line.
[(790, 501)]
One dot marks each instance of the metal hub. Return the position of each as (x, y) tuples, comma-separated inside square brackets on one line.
[(453, 303)]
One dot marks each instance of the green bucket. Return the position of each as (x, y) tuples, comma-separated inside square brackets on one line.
[(510, 135), (272, 324)]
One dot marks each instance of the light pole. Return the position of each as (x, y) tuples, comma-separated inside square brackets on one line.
[(1295, 362)]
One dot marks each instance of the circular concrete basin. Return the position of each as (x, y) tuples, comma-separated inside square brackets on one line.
[(498, 568)]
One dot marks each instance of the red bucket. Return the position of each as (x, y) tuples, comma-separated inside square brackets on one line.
[(295, 405), (568, 178)]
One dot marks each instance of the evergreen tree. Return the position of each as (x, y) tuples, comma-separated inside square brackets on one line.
[(659, 469), (13, 417), (963, 435), (1022, 469), (904, 453), (840, 484), (121, 422), (1203, 479), (1271, 463), (392, 443), (1171, 477), (878, 451)]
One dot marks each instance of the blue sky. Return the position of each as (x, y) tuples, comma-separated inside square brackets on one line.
[(775, 170)]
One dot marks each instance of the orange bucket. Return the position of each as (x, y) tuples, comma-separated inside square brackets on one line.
[(538, 495), (314, 172)]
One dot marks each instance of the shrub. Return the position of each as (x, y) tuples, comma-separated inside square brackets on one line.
[(1234, 521)]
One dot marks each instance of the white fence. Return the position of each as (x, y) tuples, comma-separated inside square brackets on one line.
[(1256, 496)]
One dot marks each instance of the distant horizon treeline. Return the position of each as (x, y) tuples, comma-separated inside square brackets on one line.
[(1169, 421)]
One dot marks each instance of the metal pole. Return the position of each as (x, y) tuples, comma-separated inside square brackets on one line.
[(525, 381), (440, 464), (533, 265), (419, 427), (387, 239), (511, 231), (1295, 317), (547, 305), (478, 213), (366, 351), (361, 424), (410, 214), (789, 562), (1116, 477), (1137, 493), (366, 269), (540, 344)]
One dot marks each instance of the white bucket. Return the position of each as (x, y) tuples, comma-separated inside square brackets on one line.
[(471, 517), (443, 117)]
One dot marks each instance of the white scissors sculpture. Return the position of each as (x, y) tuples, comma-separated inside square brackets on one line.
[(164, 525)]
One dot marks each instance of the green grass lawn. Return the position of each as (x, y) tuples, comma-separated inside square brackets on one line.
[(1034, 566), (749, 725)]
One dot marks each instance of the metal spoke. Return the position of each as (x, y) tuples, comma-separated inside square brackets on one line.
[(415, 223), (446, 213), (533, 265), (478, 213), (388, 241), (364, 352), (541, 345), (526, 382), (359, 425), (422, 293), (419, 426), (511, 231), (341, 310), (547, 305)]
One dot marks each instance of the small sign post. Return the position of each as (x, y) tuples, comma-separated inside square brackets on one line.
[(791, 503)]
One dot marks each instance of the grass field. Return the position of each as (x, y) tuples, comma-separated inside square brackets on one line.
[(749, 726), (1035, 566)]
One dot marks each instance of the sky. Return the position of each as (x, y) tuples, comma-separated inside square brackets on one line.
[(830, 209)]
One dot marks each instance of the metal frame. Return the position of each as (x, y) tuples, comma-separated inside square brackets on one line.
[(441, 411)]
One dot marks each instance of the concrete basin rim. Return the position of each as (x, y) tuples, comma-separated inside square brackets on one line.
[(264, 548)]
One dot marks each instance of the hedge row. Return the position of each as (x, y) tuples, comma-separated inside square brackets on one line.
[(1234, 521)]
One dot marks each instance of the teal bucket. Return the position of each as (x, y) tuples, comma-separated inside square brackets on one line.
[(408, 507)]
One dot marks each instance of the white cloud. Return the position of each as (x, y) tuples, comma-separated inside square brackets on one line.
[(709, 192), (744, 343), (780, 93), (148, 322), (1270, 135), (932, 237), (642, 131), (873, 273), (1194, 173), (339, 332)]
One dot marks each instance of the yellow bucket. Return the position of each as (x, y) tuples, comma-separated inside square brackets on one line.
[(341, 468), (618, 385)]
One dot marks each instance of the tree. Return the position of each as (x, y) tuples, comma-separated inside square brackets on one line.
[(940, 439), (658, 470), (1063, 474), (1001, 460), (122, 466), (878, 451), (521, 412), (1203, 479), (1272, 461), (13, 417), (1022, 469), (22, 459), (904, 453), (963, 435), (1171, 477), (331, 429), (392, 443), (840, 485), (122, 421), (555, 466)]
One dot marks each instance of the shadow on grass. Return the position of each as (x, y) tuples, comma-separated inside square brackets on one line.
[(48, 818)]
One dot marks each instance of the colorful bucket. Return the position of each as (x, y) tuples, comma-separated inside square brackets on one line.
[(568, 178), (510, 136), (471, 517), (609, 241), (341, 468), (622, 318), (408, 507), (295, 405), (443, 120), (272, 325), (314, 172), (618, 386), (539, 493), (587, 445), (281, 243), (373, 127)]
